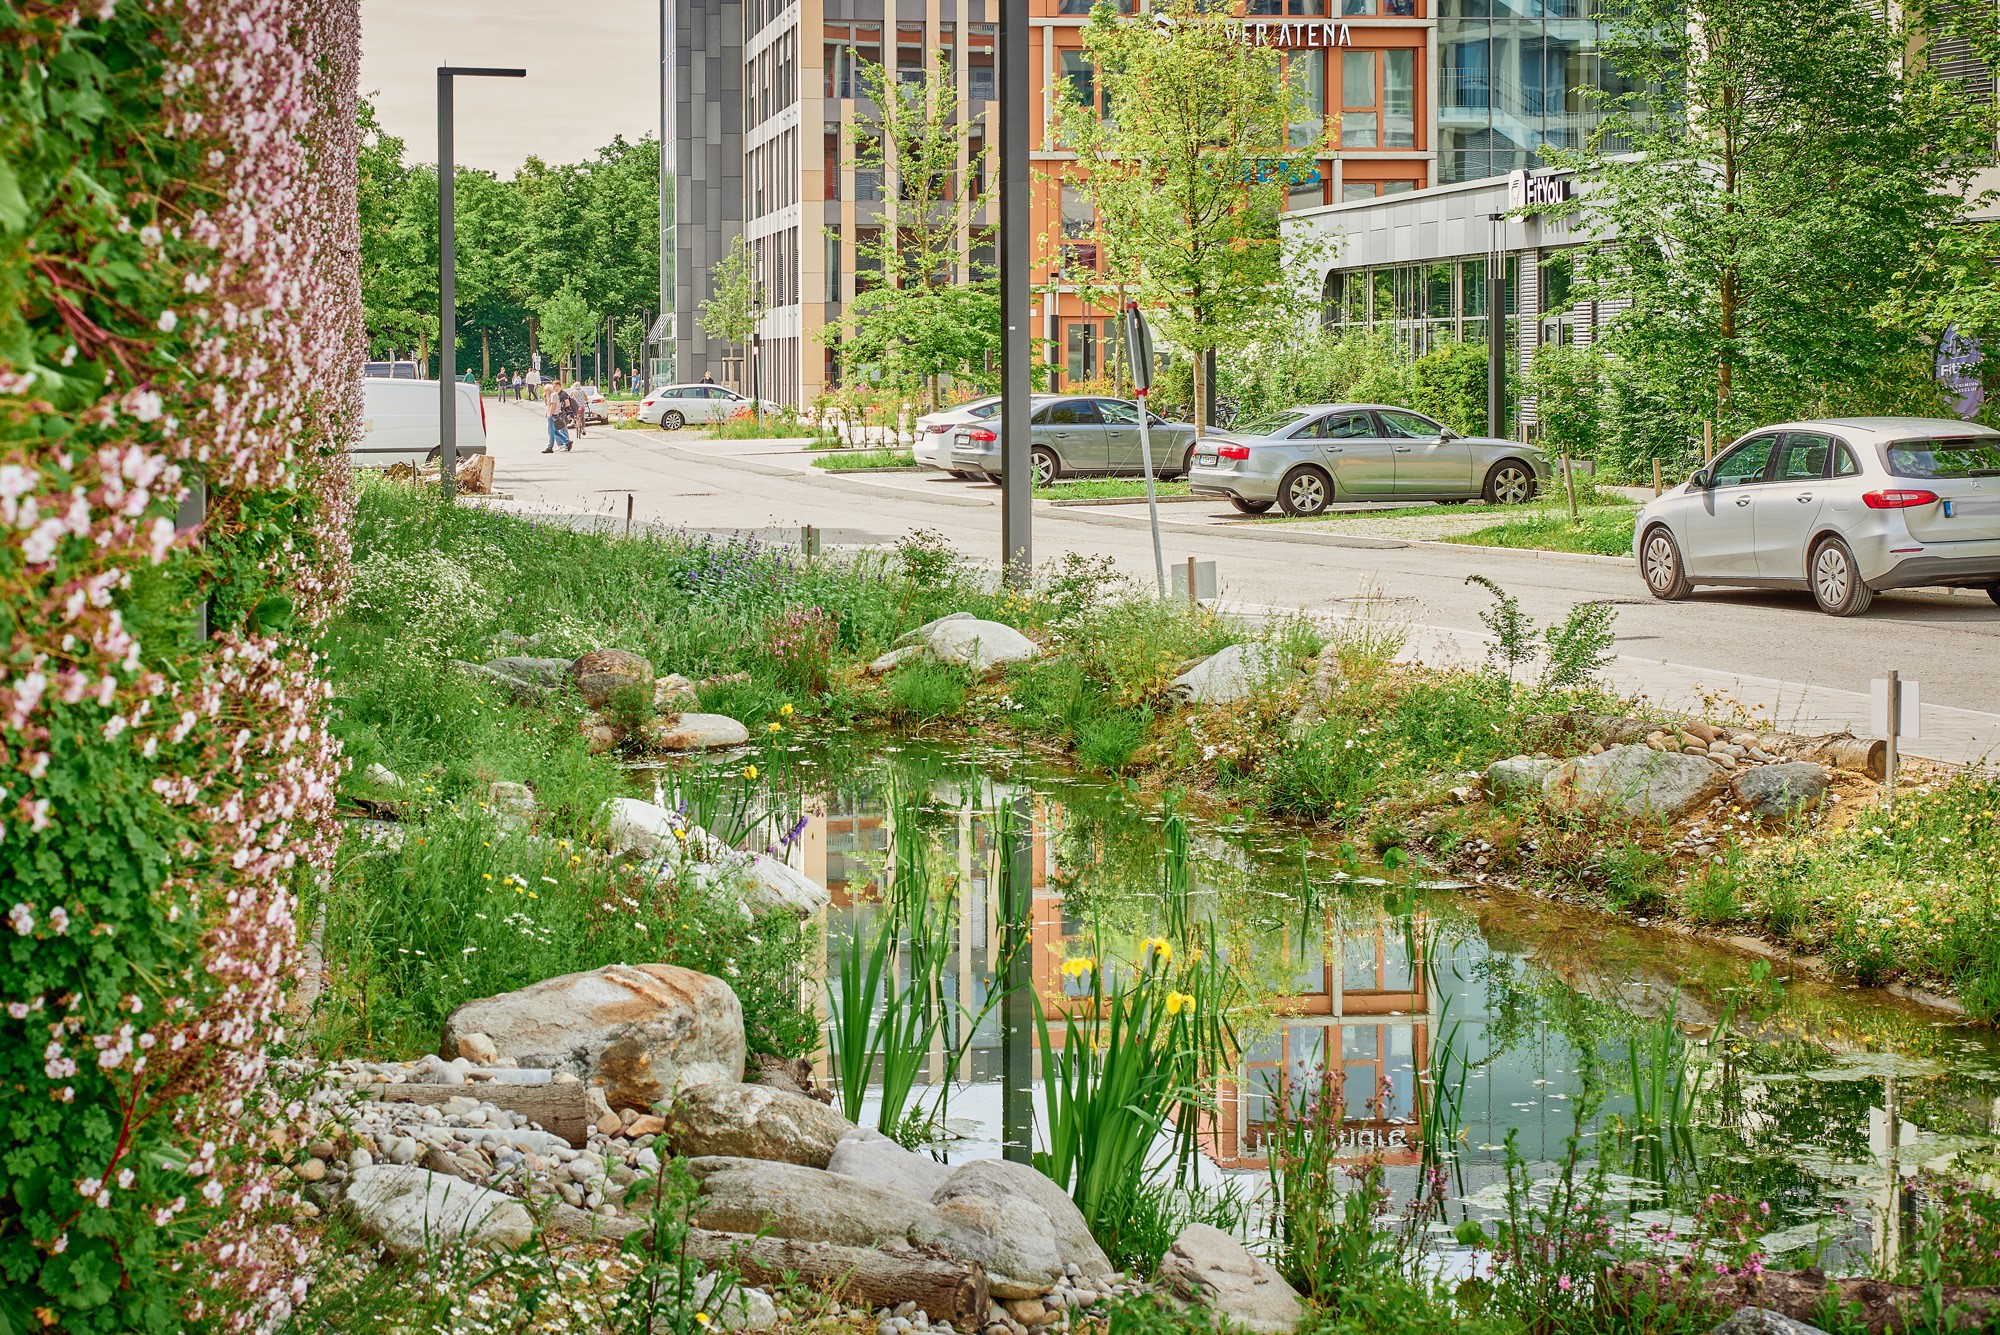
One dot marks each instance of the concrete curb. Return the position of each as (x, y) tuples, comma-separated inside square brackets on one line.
[(837, 481)]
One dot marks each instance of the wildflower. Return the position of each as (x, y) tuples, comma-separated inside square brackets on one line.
[(1078, 966), (774, 726), (1162, 949), (1178, 1002), (702, 1318), (749, 771), (786, 710)]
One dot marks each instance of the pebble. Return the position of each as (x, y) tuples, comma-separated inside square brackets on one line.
[(312, 1170)]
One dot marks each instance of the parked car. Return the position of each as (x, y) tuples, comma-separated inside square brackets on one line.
[(672, 407), (1844, 508), (1304, 459), (399, 422), (595, 409), (1076, 435), (935, 432)]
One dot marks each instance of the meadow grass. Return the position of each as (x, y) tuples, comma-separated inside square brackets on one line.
[(1602, 531), (865, 461)]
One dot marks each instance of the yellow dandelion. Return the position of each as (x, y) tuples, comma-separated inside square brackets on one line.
[(701, 1317), (487, 874), (774, 726), (786, 710)]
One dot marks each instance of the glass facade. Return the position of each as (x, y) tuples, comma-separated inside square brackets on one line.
[(1426, 304), (1509, 75)]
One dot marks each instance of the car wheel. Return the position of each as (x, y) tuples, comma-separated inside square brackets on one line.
[(672, 421), (1993, 592), (1836, 580), (1187, 465), (1048, 468), (1305, 491), (1250, 507), (1660, 562), (1509, 482)]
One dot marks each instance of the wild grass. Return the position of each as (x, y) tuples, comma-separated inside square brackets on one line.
[(1108, 488), (744, 425), (863, 461), (1603, 531)]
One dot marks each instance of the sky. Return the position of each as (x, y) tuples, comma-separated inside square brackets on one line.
[(593, 72)]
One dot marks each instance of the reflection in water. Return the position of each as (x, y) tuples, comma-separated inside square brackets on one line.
[(1797, 1097)]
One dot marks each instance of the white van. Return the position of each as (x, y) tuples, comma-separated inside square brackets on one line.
[(400, 422)]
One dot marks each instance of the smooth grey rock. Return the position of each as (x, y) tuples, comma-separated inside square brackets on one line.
[(413, 1210), (1763, 1321), (1637, 780), (979, 645), (754, 1122), (997, 1179), (534, 671), (793, 1201), (1009, 1238), (643, 1032), (515, 800), (922, 633), (514, 688), (382, 776), (895, 658), (1775, 791), (1518, 776), (871, 1156), (1233, 674), (1207, 1266), (699, 732), (776, 887), (741, 1308)]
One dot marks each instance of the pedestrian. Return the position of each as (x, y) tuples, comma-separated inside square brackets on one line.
[(500, 385), (707, 379), (566, 405), (517, 385), (577, 401), (552, 407)]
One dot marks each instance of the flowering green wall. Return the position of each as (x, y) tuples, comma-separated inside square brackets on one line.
[(178, 306)]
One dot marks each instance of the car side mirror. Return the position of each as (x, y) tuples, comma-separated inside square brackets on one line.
[(1447, 434), (1701, 481)]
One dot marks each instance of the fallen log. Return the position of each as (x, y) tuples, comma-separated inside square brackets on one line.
[(1884, 1308), (1864, 755), (561, 1110), (884, 1276)]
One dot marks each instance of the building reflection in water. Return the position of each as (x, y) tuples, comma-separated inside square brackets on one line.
[(1354, 1023)]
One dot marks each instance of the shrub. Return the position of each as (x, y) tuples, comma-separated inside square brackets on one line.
[(176, 235)]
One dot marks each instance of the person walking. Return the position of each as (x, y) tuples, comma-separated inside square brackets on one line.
[(500, 385), (707, 379), (576, 402), (517, 385), (552, 407)]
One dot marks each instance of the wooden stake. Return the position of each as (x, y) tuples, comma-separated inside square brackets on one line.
[(1657, 487), (1708, 441), (628, 514), (1193, 601), (1889, 756)]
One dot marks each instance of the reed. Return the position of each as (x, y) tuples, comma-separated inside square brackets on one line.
[(1665, 1095)]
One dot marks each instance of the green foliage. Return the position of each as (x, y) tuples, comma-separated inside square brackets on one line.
[(731, 314), (567, 323), (1108, 741), (1449, 383), (924, 691), (1603, 531), (667, 1291), (1568, 383), (630, 708), (1573, 651)]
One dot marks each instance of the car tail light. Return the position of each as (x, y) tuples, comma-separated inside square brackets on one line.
[(938, 428), (1234, 451), (1898, 500), (482, 414), (981, 434)]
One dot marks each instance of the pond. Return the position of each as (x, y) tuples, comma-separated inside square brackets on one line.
[(1821, 1102)]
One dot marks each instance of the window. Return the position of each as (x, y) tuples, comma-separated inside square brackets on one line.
[(909, 53), (1399, 425), (1357, 6), (975, 160), (1353, 190), (1472, 288), (1357, 99), (1398, 187), (831, 171), (1963, 456), (1117, 412), (1399, 98), (846, 45), (1744, 464), (1308, 69), (1078, 214), (1077, 412), (1804, 457), (1081, 80), (979, 44), (1081, 346), (1844, 462), (833, 264), (1339, 426)]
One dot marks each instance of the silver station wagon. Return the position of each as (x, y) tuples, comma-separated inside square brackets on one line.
[(1078, 435), (1844, 508), (1304, 459)]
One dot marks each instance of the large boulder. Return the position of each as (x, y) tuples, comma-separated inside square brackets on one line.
[(598, 674), (1777, 791), (642, 1032), (1763, 1321), (921, 635), (754, 1122), (412, 1209), (871, 1156), (699, 732), (531, 671), (1001, 1181), (1233, 674), (1009, 1237), (977, 644), (1638, 781), (775, 887), (787, 1200), (1518, 776), (1207, 1266)]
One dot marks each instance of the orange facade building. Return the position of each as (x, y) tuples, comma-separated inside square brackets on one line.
[(760, 103)]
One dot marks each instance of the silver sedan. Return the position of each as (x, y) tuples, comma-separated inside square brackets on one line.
[(1075, 435), (1306, 458), (1844, 508)]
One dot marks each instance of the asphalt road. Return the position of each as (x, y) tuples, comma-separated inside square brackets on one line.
[(1771, 650)]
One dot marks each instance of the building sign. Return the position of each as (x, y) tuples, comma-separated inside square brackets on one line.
[(1320, 33), (1281, 169), (1525, 191), (1958, 366)]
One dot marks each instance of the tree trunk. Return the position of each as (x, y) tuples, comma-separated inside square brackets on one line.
[(485, 357), (1727, 298), (884, 1276), (1200, 426), (1885, 1309), (562, 1110)]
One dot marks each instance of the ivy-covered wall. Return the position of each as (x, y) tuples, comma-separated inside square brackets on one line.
[(178, 306)]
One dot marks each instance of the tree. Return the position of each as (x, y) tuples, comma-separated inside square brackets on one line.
[(1191, 174), (632, 331), (919, 321), (738, 304), (567, 324), (1764, 207), (1568, 385)]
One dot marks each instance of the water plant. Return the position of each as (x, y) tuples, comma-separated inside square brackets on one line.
[(1665, 1094)]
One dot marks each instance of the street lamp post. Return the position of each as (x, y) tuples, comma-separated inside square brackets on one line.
[(448, 274), (1496, 332), (1016, 471)]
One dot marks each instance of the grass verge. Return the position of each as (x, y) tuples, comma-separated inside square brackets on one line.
[(864, 461), (1107, 488), (1602, 531)]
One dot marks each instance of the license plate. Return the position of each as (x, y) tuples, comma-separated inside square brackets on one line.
[(1959, 509), (1205, 460)]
